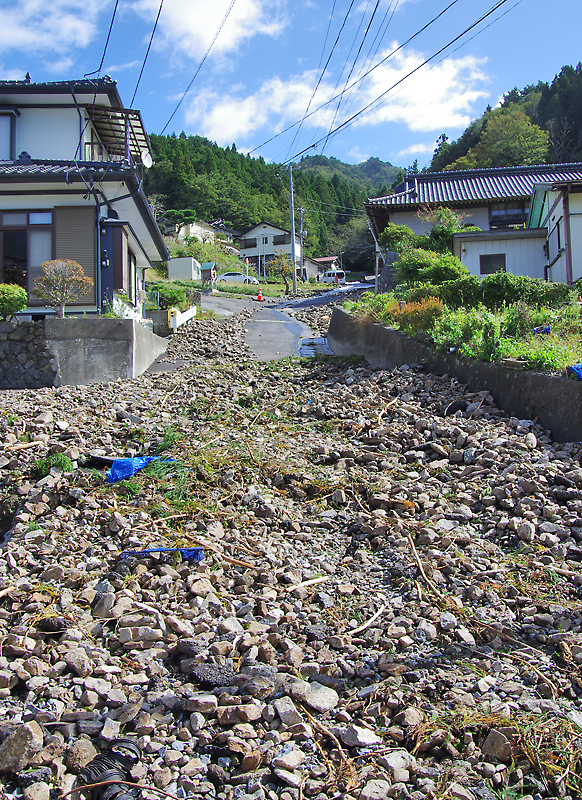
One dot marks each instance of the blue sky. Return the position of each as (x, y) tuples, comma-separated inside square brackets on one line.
[(260, 75)]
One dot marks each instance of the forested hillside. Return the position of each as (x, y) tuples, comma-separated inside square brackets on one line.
[(190, 172), (541, 123)]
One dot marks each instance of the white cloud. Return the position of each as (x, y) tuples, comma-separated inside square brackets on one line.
[(11, 74), (434, 99), (113, 69), (190, 27), (37, 26), (414, 149), (358, 155)]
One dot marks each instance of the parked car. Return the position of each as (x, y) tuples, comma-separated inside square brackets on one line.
[(333, 276), (236, 277)]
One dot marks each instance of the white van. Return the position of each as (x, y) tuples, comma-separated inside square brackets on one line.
[(334, 276)]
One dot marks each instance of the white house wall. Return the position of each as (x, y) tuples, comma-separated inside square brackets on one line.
[(576, 234), (478, 216), (48, 133), (522, 256)]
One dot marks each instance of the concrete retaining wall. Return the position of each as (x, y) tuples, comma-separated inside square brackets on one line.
[(25, 359), (55, 352), (555, 402)]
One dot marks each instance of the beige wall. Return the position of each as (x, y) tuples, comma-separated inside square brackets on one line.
[(48, 133), (478, 216), (576, 234), (522, 256)]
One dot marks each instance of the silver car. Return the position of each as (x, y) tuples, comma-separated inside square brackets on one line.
[(236, 277)]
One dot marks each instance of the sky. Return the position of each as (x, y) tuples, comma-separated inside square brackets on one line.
[(286, 78)]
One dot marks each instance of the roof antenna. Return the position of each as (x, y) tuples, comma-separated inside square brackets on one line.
[(27, 77)]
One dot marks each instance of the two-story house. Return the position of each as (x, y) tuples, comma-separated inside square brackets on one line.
[(496, 200), (71, 170), (264, 241)]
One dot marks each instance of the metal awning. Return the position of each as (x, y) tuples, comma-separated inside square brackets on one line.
[(121, 130)]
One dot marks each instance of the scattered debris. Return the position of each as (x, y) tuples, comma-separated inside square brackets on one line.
[(389, 604)]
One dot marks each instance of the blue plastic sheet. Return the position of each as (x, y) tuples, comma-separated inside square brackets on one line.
[(543, 329), (123, 468), (192, 554), (575, 371)]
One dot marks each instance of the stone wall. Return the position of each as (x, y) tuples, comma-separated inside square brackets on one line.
[(25, 359), (56, 352), (555, 402)]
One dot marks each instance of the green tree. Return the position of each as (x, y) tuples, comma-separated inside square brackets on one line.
[(509, 139), (63, 281), (282, 267), (13, 299)]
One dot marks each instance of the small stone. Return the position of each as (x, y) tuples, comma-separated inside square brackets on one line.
[(79, 754), (36, 791), (19, 747), (375, 790), (356, 736), (497, 746), (288, 714)]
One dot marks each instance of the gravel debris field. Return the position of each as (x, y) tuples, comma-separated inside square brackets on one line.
[(389, 602)]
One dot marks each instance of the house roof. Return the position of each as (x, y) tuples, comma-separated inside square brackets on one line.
[(29, 171), (80, 88), (459, 187), (266, 222)]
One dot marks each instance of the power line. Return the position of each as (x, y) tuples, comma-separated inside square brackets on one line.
[(305, 115), (206, 54), (347, 80), (145, 58), (374, 102), (97, 71), (308, 106), (358, 80)]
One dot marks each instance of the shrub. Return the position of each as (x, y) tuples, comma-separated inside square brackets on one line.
[(426, 266), (171, 295), (63, 281), (400, 237), (415, 317), (42, 467), (13, 299)]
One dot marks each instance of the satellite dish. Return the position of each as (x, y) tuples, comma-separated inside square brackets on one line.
[(146, 158)]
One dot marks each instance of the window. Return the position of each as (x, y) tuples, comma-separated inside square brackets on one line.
[(25, 244), (7, 118), (492, 263)]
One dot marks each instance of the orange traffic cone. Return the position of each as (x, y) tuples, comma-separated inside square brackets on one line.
[(260, 297)]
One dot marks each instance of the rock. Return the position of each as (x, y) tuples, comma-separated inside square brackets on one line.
[(375, 790), (497, 746), (79, 662), (410, 717), (19, 747), (36, 791), (79, 754), (288, 714), (356, 736), (290, 760)]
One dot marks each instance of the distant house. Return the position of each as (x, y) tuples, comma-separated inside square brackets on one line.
[(264, 241), (327, 262), (71, 170), (497, 200), (557, 207), (210, 232)]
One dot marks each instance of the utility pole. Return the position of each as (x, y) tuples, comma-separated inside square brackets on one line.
[(292, 231), (301, 235)]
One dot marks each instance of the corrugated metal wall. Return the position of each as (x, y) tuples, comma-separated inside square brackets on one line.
[(75, 239)]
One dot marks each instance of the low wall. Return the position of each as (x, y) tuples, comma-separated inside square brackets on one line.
[(25, 358), (55, 352), (555, 402)]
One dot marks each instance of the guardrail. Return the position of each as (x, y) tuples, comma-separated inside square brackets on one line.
[(177, 318)]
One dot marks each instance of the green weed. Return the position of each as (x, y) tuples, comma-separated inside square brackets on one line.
[(42, 466)]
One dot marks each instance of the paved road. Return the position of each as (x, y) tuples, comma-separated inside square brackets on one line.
[(270, 334)]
